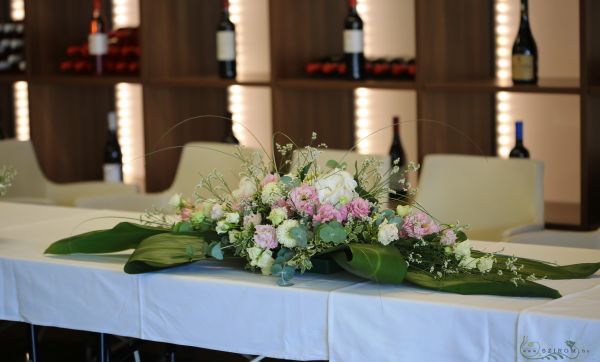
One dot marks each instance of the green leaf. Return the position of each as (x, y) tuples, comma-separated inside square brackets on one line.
[(183, 227), (304, 171), (123, 236), (300, 234), (165, 251), (383, 264), (332, 164), (287, 180), (480, 284), (332, 232)]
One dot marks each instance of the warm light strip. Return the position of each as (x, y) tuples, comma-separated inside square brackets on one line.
[(364, 10), (363, 124), (504, 129), (126, 13), (17, 10), (236, 15), (21, 104), (236, 99), (131, 132)]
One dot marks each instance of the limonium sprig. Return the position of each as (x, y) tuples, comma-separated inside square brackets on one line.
[(7, 174)]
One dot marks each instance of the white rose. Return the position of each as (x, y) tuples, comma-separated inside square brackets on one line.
[(277, 215), (216, 212), (222, 227), (253, 254), (283, 233), (387, 233), (175, 201), (246, 189), (265, 262), (232, 217), (468, 262), (271, 193), (485, 264), (462, 250), (336, 187)]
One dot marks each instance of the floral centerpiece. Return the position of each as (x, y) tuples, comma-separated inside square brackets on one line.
[(280, 222), (7, 174)]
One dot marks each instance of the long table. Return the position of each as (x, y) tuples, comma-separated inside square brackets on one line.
[(336, 317)]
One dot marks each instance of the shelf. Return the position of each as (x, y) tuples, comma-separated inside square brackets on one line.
[(10, 78), (204, 82), (309, 83), (68, 79), (562, 86)]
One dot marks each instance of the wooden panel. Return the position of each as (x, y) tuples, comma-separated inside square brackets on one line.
[(304, 30), (6, 111), (298, 113), (166, 106), (590, 160), (51, 26), (455, 39), (68, 129), (590, 44), (178, 37), (456, 123)]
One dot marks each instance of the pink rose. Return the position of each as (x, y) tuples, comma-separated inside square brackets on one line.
[(419, 225), (358, 208), (448, 237), (186, 213), (265, 236), (304, 199), (269, 178), (327, 213)]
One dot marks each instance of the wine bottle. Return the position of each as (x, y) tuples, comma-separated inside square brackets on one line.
[(113, 158), (519, 151), (524, 52), (98, 38), (226, 44), (354, 44), (397, 158), (229, 135)]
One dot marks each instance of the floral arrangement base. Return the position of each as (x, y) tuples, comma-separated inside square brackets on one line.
[(323, 264)]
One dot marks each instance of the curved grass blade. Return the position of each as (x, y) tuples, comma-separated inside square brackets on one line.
[(383, 264)]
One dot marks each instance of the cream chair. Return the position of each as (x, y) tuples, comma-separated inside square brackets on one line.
[(31, 186), (198, 158), (497, 198)]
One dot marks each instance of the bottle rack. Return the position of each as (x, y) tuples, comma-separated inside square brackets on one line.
[(455, 82)]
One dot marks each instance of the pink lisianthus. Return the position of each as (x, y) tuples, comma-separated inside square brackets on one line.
[(418, 225), (304, 199), (269, 178), (448, 237), (328, 213), (252, 220), (186, 213), (358, 208), (265, 236)]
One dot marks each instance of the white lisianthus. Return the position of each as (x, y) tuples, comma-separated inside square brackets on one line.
[(403, 210), (462, 250), (253, 254), (232, 217), (246, 189), (336, 187), (265, 262), (283, 233), (175, 201), (271, 193), (234, 235), (277, 215), (387, 233), (485, 264), (222, 227), (468, 262), (217, 212)]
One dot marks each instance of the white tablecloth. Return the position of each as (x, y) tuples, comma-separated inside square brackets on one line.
[(336, 317)]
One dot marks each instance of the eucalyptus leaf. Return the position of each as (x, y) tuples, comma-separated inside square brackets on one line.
[(300, 234), (216, 252), (123, 236), (332, 232), (383, 264)]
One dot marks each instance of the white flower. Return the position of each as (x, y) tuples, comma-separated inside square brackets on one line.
[(246, 189), (403, 210), (234, 236), (175, 201), (253, 254), (252, 220), (277, 215), (222, 227), (462, 250), (206, 207), (485, 264), (468, 262), (387, 233), (216, 212), (336, 187), (265, 262), (271, 193), (283, 233), (232, 217)]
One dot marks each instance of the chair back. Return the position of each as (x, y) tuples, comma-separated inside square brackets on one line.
[(490, 194), (29, 182)]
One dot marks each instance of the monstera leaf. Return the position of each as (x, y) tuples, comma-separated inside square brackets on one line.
[(383, 264)]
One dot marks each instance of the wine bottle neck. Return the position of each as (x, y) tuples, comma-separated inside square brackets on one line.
[(96, 10), (524, 11), (352, 7), (519, 134)]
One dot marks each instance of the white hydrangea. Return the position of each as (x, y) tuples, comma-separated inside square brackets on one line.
[(336, 187), (277, 215), (387, 233), (462, 250), (265, 262), (283, 233), (246, 189), (485, 264), (232, 217), (271, 193)]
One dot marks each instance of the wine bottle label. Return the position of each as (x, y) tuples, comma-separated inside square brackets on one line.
[(353, 41), (225, 45), (98, 43), (112, 172), (522, 67)]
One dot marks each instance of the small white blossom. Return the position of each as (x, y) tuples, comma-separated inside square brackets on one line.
[(462, 250), (387, 233), (485, 264), (467, 262)]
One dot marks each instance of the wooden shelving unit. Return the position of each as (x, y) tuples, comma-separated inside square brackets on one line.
[(455, 83)]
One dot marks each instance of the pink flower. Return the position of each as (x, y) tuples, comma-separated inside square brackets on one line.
[(252, 219), (358, 208), (186, 213), (269, 178), (418, 225), (327, 213), (304, 199), (448, 237), (265, 236)]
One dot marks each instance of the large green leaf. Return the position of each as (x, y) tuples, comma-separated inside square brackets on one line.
[(123, 236), (480, 284), (166, 251), (383, 264)]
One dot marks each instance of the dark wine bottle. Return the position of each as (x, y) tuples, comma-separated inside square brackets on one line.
[(226, 44), (229, 135), (98, 38), (519, 151), (354, 44), (524, 52), (113, 158), (397, 158)]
